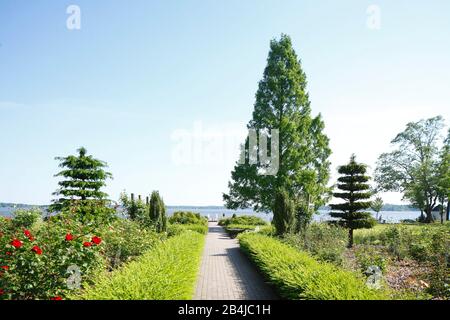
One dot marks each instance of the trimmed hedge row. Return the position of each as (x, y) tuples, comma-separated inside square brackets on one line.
[(166, 272), (297, 275)]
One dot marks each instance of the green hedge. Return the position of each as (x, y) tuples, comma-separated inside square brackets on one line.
[(297, 275), (243, 220), (186, 217), (176, 229), (166, 272)]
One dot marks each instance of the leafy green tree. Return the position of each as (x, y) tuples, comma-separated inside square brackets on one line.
[(413, 167), (377, 205), (282, 103), (80, 190), (135, 209), (353, 183), (443, 184), (157, 212)]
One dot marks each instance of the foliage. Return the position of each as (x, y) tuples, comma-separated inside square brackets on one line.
[(443, 183), (353, 183), (369, 256), (413, 167), (301, 155), (284, 213), (126, 239), (377, 205), (83, 176), (297, 275), (184, 217), (135, 210), (439, 276), (243, 220), (177, 229), (406, 241), (61, 256), (26, 218), (326, 242), (157, 212), (167, 272)]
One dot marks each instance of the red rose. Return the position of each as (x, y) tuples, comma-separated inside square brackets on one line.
[(96, 240), (5, 267), (27, 233), (87, 244), (16, 243), (2, 292), (69, 237), (8, 253), (37, 250), (56, 298)]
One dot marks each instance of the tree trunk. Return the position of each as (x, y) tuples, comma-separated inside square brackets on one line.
[(448, 207), (350, 238), (429, 215)]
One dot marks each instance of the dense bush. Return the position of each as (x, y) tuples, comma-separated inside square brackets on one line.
[(407, 241), (167, 272), (297, 275), (176, 229), (126, 240), (185, 217), (26, 218), (243, 220), (427, 244), (326, 242), (369, 256), (61, 256), (135, 210)]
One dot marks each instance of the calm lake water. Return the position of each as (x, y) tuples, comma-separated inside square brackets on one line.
[(217, 213)]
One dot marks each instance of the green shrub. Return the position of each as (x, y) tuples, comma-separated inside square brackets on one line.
[(326, 242), (202, 229), (268, 230), (243, 220), (42, 264), (405, 241), (243, 227), (26, 218), (126, 240), (185, 217), (175, 230), (167, 272), (297, 275), (368, 256)]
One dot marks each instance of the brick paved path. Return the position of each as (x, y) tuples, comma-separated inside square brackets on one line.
[(226, 273)]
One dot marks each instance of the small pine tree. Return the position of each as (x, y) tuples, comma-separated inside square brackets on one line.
[(84, 176), (353, 182), (157, 212)]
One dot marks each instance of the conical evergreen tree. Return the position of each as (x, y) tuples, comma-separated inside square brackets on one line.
[(157, 212), (84, 176), (353, 183), (282, 103)]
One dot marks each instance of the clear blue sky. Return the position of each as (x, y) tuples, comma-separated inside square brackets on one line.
[(138, 71)]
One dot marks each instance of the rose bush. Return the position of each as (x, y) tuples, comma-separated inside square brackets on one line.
[(49, 263)]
